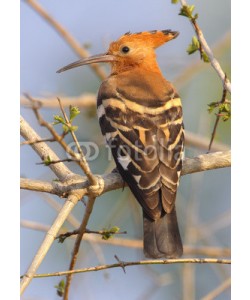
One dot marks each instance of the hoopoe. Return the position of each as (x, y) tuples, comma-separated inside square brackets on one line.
[(140, 115)]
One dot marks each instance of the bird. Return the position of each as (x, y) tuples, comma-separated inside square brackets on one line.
[(140, 116)]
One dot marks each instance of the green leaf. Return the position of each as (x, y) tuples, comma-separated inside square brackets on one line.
[(60, 288), (47, 161), (226, 117), (108, 233), (194, 46), (187, 11), (74, 111), (66, 128), (58, 119), (205, 57), (212, 105), (61, 239), (224, 109), (195, 17), (174, 1), (73, 128)]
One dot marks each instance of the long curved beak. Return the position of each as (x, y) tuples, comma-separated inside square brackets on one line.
[(100, 58)]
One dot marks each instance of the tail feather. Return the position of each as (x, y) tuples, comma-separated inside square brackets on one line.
[(162, 237)]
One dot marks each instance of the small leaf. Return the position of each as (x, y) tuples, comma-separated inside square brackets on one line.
[(60, 288), (226, 117), (212, 105), (187, 11), (73, 128), (66, 128), (61, 239), (205, 57), (195, 17), (108, 233), (174, 1), (47, 161), (194, 46), (58, 119), (74, 111)]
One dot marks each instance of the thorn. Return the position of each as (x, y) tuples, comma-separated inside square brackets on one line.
[(121, 263)]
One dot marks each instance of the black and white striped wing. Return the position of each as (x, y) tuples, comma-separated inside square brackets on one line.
[(147, 145)]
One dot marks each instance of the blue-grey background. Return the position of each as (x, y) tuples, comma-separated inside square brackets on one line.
[(203, 202)]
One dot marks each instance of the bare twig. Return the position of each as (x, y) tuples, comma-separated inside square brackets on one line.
[(121, 263), (51, 162), (38, 141), (215, 64), (79, 50), (142, 262), (84, 101)]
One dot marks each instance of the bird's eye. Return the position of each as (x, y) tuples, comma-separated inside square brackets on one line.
[(125, 49)]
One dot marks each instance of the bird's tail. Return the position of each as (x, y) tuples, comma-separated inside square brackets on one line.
[(162, 237)]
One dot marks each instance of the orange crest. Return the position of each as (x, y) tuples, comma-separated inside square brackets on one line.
[(150, 39)]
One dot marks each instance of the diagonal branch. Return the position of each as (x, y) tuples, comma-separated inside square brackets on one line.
[(78, 241), (43, 150), (214, 62), (79, 50), (49, 239), (64, 174)]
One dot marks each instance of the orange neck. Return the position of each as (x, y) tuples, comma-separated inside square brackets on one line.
[(144, 64)]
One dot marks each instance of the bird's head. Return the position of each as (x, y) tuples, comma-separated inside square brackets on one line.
[(129, 51)]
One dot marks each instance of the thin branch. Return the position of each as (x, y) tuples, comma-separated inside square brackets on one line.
[(215, 64), (137, 263), (75, 195), (42, 149), (132, 243), (78, 241), (85, 100), (79, 50), (83, 163), (61, 237), (223, 99), (51, 162), (38, 141), (48, 240), (59, 138)]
